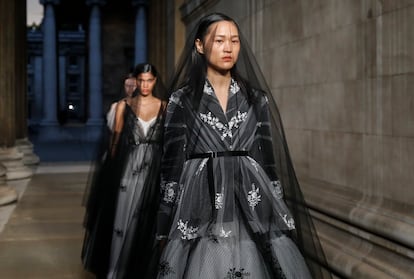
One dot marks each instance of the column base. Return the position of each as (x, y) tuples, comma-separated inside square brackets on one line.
[(8, 194), (11, 159), (26, 147)]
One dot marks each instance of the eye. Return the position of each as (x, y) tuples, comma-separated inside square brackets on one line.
[(219, 41)]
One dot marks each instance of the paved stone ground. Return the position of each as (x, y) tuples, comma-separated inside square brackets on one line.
[(43, 234), (72, 146), (65, 151)]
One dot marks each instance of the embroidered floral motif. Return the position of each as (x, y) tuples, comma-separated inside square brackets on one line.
[(289, 222), (234, 87), (277, 189), (219, 200), (233, 273), (225, 130), (214, 122), (168, 190), (237, 119), (210, 120), (253, 197), (201, 166), (165, 268), (188, 232), (223, 233), (208, 89)]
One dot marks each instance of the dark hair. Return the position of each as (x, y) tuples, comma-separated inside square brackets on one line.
[(159, 89), (192, 71), (199, 64), (145, 68), (207, 21)]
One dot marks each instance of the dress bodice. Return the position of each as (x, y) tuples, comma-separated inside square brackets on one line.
[(142, 131)]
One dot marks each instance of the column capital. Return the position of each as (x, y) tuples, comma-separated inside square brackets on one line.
[(51, 2), (137, 3), (95, 2)]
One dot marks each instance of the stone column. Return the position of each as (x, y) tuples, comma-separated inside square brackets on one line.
[(21, 73), (49, 63), (95, 64), (8, 81), (7, 74), (49, 126), (38, 77), (22, 143), (140, 31), (7, 86)]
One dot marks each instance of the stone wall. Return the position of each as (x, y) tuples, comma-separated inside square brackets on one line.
[(342, 74)]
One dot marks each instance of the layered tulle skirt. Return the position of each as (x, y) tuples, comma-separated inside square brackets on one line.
[(230, 221)]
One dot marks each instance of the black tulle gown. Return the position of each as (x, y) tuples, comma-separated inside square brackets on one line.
[(222, 203), (123, 201)]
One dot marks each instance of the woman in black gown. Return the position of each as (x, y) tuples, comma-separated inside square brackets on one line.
[(226, 168), (120, 214)]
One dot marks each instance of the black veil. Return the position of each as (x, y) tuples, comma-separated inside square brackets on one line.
[(191, 72)]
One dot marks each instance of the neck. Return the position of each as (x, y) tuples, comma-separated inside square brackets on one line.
[(218, 79), (145, 98)]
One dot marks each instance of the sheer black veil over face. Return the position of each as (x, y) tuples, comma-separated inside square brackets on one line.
[(191, 73)]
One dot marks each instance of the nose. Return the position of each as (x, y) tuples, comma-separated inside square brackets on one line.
[(228, 47)]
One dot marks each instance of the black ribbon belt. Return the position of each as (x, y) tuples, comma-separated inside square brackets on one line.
[(211, 154), (210, 175)]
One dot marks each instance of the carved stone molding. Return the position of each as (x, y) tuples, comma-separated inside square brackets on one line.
[(362, 236)]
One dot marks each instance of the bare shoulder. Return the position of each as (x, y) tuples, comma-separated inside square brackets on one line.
[(120, 105)]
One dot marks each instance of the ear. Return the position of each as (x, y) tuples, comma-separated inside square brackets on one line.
[(199, 46)]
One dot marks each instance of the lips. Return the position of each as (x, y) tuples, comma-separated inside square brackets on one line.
[(227, 58)]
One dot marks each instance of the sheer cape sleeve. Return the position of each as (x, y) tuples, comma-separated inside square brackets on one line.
[(100, 204), (173, 158), (279, 166)]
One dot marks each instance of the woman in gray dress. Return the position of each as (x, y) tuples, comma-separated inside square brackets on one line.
[(226, 168), (120, 236)]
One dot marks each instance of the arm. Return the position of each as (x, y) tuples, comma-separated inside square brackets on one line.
[(263, 150), (172, 163), (117, 127)]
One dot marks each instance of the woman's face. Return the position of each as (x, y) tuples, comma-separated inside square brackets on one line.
[(130, 84), (221, 46), (146, 83)]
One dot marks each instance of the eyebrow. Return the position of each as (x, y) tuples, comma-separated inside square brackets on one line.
[(223, 36)]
